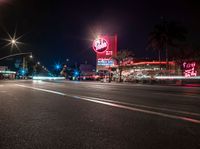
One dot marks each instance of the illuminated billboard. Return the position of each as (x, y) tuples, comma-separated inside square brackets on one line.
[(105, 47)]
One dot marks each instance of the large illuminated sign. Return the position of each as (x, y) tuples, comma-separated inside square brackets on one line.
[(189, 69), (100, 45), (105, 47)]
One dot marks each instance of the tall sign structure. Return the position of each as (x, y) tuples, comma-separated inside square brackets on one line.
[(105, 47)]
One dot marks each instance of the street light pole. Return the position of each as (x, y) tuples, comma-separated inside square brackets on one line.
[(18, 54), (24, 64)]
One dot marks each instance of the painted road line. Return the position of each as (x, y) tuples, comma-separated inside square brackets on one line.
[(144, 106), (141, 110), (41, 89), (188, 119), (119, 102)]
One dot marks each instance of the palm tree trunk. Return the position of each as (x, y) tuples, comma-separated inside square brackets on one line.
[(159, 57), (120, 75), (167, 58)]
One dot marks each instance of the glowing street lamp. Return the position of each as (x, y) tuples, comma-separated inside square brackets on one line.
[(31, 56), (13, 41)]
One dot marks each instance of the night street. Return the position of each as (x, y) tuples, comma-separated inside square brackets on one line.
[(99, 74), (94, 115)]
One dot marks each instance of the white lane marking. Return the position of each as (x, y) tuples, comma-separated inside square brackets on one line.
[(141, 110), (44, 90), (143, 106), (108, 103), (118, 102)]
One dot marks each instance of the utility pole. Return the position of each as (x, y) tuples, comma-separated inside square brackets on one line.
[(24, 63)]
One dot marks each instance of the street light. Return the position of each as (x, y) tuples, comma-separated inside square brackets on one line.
[(13, 41), (17, 54), (31, 56)]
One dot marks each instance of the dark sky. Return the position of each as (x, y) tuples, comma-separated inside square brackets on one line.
[(59, 29)]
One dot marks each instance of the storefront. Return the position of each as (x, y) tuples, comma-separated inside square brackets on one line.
[(139, 70), (7, 74), (155, 70)]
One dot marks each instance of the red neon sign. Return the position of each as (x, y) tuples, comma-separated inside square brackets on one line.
[(100, 45), (189, 69)]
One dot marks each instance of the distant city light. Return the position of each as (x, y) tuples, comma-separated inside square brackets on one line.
[(13, 41), (8, 72), (22, 72), (76, 73), (57, 66), (176, 77), (47, 78)]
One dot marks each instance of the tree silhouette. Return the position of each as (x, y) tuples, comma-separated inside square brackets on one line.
[(166, 37), (120, 58)]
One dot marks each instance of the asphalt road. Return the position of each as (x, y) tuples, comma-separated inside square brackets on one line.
[(90, 115)]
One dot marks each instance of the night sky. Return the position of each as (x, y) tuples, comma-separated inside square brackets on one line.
[(55, 30)]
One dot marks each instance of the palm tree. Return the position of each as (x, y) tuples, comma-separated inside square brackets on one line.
[(165, 36), (120, 58), (187, 53)]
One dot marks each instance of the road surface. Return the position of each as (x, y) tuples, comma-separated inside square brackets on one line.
[(91, 115)]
